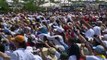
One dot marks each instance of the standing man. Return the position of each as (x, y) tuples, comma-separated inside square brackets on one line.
[(20, 53)]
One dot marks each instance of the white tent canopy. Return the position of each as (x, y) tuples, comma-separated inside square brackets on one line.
[(49, 4), (9, 1), (65, 3)]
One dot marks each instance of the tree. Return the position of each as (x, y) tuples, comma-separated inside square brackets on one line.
[(69, 0), (52, 1), (4, 5), (97, 1), (41, 2), (30, 5)]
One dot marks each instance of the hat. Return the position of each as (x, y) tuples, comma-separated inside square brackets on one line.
[(19, 38), (29, 48), (99, 49)]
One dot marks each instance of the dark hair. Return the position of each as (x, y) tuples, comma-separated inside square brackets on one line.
[(45, 38), (22, 45), (64, 56), (74, 50), (2, 48), (12, 46), (30, 41), (57, 38)]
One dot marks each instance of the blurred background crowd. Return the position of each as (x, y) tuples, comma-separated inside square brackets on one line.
[(54, 35)]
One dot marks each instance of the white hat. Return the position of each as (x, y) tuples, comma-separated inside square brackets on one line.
[(29, 48)]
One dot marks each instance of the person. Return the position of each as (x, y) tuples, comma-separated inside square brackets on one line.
[(89, 34), (50, 53), (97, 29), (35, 52), (74, 51), (20, 53), (4, 56), (99, 53)]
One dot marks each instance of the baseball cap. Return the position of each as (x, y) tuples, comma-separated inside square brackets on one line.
[(99, 49), (19, 38)]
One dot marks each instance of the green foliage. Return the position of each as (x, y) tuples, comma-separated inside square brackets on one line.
[(97, 0), (30, 5), (16, 1), (4, 5), (52, 1)]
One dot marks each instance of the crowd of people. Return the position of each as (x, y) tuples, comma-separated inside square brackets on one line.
[(77, 35)]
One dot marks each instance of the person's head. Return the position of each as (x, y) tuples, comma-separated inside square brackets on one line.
[(99, 23), (45, 38), (19, 41), (72, 41), (52, 51), (74, 50), (64, 56), (2, 48), (99, 50)]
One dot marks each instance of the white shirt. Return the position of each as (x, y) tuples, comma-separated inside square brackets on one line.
[(59, 29), (59, 43), (70, 17), (9, 53), (56, 42), (22, 54), (41, 36), (94, 58), (37, 57), (72, 57), (89, 33), (97, 30)]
